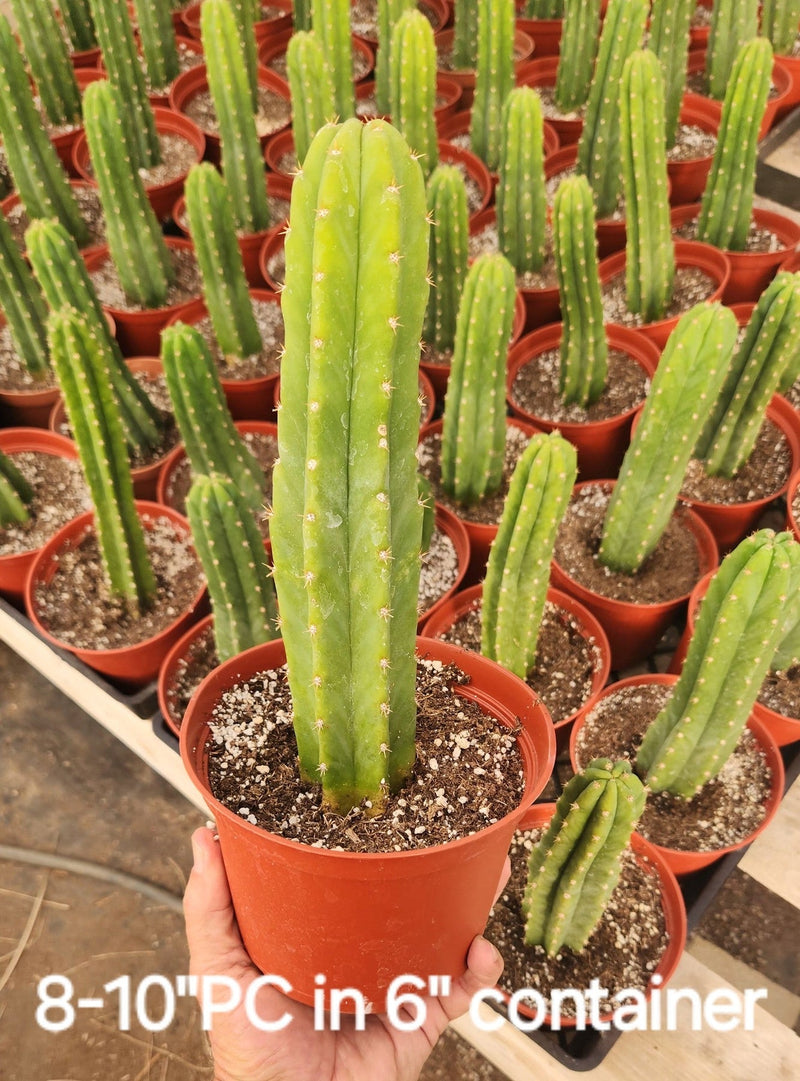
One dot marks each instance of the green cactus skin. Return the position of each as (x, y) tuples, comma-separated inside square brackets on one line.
[(347, 522), (520, 196), (78, 20), (157, 36), (23, 306), (121, 59), (231, 551), (389, 13), (494, 78), (727, 203), (32, 159), (598, 147), (584, 348), (669, 39), (779, 22), (736, 633), (311, 88), (545, 9), (51, 67), (474, 423), (650, 255), (133, 234), (301, 14), (787, 653), (225, 288), (578, 50), (209, 435), (465, 33), (242, 160), (82, 365), (689, 376), (15, 494), (733, 22), (412, 97), (573, 870), (447, 205), (65, 281), (331, 22), (518, 571), (245, 14), (767, 358), (426, 500)]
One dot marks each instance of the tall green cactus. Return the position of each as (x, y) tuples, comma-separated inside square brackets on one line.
[(78, 20), (584, 349), (50, 64), (242, 161), (574, 868), (474, 424), (494, 77), (598, 147), (735, 637), (389, 12), (16, 494), (331, 22), (311, 89), (346, 521), (733, 22), (225, 288), (301, 15), (245, 14), (518, 571), (212, 443), (23, 306), (134, 236), (465, 33), (727, 203), (81, 363), (231, 551), (157, 36), (779, 22), (412, 94), (650, 254), (577, 53), (670, 21), (688, 378), (521, 198), (447, 206)]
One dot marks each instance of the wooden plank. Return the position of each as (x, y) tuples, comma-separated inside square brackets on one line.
[(772, 858)]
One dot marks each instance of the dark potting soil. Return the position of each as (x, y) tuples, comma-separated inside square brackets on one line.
[(670, 571), (759, 238), (796, 505), (188, 284), (91, 211), (178, 155), (488, 241), (467, 773), (726, 809), (692, 142), (429, 355), (763, 474), (59, 494), (269, 320), (14, 375), (780, 692), (274, 112), (692, 285), (190, 672)]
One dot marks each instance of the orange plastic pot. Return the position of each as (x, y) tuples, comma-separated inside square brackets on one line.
[(274, 49), (781, 80), (792, 262), (272, 246), (698, 34), (523, 50), (545, 33), (452, 527), (170, 667), (792, 97), (542, 72), (688, 177), (363, 920), (792, 521), (29, 408), (472, 165), (438, 13), (458, 124), (262, 28)]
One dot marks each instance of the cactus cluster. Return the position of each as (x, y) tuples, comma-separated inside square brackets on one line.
[(49, 60), (494, 77), (159, 49), (670, 22), (331, 22), (779, 23), (577, 53), (389, 14), (733, 23), (16, 494), (520, 198), (412, 87), (447, 206), (311, 89), (23, 306)]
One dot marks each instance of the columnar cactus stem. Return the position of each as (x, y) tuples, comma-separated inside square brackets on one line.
[(650, 255), (736, 634), (573, 870), (245, 14), (231, 551), (51, 67), (494, 77), (412, 97), (331, 22), (301, 14), (521, 199), (242, 161), (15, 494), (158, 42), (688, 378), (544, 9), (779, 22), (727, 203), (134, 237), (584, 349), (23, 306), (347, 523), (669, 39), (209, 435), (465, 33), (311, 87), (733, 22), (579, 39), (447, 204), (518, 572), (389, 13), (81, 363), (474, 430), (78, 20)]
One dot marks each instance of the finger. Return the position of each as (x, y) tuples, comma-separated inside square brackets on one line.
[(484, 969)]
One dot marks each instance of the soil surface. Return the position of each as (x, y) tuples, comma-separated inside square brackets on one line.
[(59, 494)]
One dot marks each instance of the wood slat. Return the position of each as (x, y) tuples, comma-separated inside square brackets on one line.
[(772, 858)]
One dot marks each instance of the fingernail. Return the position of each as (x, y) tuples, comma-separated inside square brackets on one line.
[(199, 853)]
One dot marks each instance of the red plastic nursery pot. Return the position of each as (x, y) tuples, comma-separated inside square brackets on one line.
[(170, 666), (546, 34), (781, 80), (438, 13), (274, 49), (457, 124), (27, 408), (792, 98), (523, 50), (541, 72), (601, 444), (792, 520), (263, 28), (683, 862), (448, 100), (474, 169), (454, 528), (688, 177), (363, 920), (12, 201), (273, 246), (792, 262)]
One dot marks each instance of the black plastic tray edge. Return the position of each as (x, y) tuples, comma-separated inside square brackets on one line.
[(771, 182)]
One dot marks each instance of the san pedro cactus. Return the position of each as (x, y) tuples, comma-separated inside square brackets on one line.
[(81, 363), (518, 571), (389, 13), (584, 349), (346, 521), (733, 22), (50, 64), (727, 203), (574, 868), (134, 236), (78, 20), (494, 77), (331, 22), (16, 494), (212, 443), (787, 653), (670, 21), (32, 159), (465, 33), (311, 88), (736, 633), (688, 378), (577, 53), (242, 161), (301, 15), (474, 426), (231, 551), (598, 147), (650, 255), (447, 204), (225, 288), (245, 14), (521, 199), (412, 87), (779, 22), (157, 36), (544, 9), (23, 306)]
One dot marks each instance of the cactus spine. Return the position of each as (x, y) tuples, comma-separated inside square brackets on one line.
[(465, 33), (78, 20), (353, 305), (727, 203), (689, 375), (579, 38), (494, 77), (412, 98), (447, 204), (518, 571), (231, 551), (779, 22), (311, 89), (158, 42), (23, 305), (584, 349), (331, 22), (474, 427), (650, 255), (734, 641), (389, 13), (49, 60), (15, 494), (573, 870), (521, 200), (733, 22), (669, 39)]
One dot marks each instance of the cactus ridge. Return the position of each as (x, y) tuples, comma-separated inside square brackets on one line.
[(15, 494), (412, 87), (49, 60), (779, 21), (245, 14), (78, 21), (521, 199), (23, 305), (301, 15), (160, 51), (670, 22), (733, 22), (465, 33), (544, 9), (494, 78), (311, 89), (447, 205), (579, 41), (331, 22), (389, 12)]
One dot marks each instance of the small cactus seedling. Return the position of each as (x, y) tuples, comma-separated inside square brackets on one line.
[(331, 22), (521, 199), (24, 306), (669, 39), (494, 77), (779, 22), (736, 633), (78, 20), (465, 33), (574, 868), (733, 22), (50, 64), (412, 86), (311, 88), (579, 40), (447, 204), (389, 13), (16, 494), (154, 21)]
